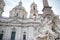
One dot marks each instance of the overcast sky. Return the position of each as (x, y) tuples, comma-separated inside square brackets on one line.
[(10, 4)]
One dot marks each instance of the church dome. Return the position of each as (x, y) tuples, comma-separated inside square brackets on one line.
[(20, 7)]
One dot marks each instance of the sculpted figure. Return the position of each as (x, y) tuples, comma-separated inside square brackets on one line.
[(46, 32)]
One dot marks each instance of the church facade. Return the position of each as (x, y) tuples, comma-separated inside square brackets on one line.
[(44, 26)]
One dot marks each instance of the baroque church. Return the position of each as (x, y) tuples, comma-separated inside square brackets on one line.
[(44, 26)]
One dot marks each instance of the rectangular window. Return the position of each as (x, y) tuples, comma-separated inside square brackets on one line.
[(0, 3), (24, 37), (1, 36), (13, 36)]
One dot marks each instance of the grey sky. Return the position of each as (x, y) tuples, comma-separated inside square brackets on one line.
[(9, 4)]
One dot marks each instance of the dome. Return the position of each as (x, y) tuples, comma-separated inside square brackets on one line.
[(20, 7)]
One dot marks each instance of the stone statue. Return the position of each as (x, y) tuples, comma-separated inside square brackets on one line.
[(46, 32)]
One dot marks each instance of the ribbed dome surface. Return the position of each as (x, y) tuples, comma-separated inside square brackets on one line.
[(20, 7)]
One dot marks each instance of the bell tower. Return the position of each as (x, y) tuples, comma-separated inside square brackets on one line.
[(2, 4), (33, 11)]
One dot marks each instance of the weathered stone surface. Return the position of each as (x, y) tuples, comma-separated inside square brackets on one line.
[(44, 26)]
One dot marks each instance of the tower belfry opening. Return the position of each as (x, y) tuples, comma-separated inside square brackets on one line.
[(33, 11)]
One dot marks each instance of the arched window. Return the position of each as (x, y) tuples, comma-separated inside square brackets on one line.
[(23, 16), (34, 7), (34, 14), (16, 15)]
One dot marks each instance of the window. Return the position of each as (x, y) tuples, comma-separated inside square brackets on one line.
[(23, 16), (34, 14), (13, 36), (17, 14), (34, 7), (1, 35), (24, 37)]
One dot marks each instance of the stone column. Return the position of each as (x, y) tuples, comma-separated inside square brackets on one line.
[(7, 33), (31, 33), (18, 33)]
